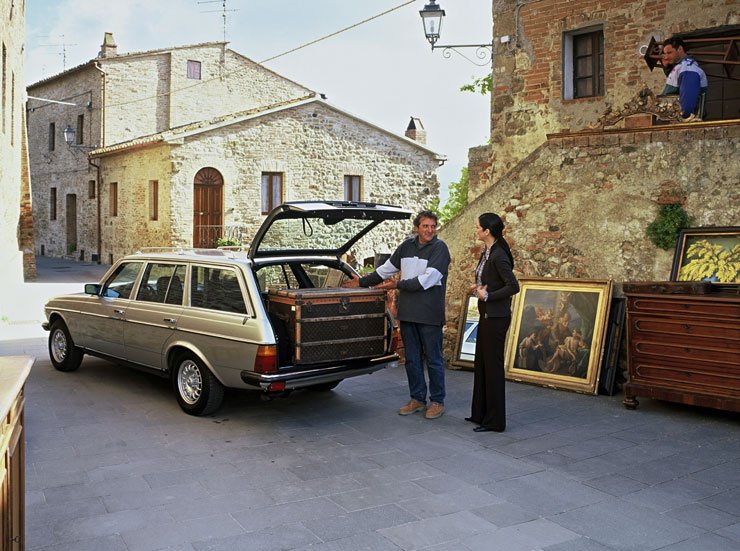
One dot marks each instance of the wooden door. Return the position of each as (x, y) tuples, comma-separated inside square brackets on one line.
[(207, 208)]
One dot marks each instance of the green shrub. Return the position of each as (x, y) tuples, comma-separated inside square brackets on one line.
[(663, 231)]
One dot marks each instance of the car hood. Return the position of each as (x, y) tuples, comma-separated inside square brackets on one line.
[(319, 227)]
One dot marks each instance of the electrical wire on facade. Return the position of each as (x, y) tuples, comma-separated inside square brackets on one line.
[(307, 44)]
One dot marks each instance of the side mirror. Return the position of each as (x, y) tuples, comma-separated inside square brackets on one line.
[(92, 288)]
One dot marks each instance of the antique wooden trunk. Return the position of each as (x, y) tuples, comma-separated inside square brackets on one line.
[(329, 325), (684, 346)]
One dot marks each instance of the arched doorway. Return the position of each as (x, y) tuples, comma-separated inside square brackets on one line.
[(208, 188)]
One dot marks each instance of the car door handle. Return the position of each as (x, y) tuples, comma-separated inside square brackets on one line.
[(169, 320)]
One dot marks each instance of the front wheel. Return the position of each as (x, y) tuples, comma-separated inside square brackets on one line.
[(197, 389), (65, 356)]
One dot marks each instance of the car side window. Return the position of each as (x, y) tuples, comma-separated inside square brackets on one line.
[(162, 283), (121, 283), (216, 289), (277, 277)]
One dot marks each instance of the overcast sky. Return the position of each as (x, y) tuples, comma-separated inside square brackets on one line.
[(383, 71)]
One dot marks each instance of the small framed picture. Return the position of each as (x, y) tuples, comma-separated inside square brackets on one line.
[(557, 332), (707, 254)]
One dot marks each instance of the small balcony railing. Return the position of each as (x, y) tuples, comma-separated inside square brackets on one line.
[(207, 237)]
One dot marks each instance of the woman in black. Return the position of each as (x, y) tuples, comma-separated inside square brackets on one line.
[(495, 285)]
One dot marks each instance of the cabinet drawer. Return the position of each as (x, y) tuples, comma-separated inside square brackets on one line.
[(711, 380), (691, 307)]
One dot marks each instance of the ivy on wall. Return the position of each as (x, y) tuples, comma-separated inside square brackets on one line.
[(663, 231)]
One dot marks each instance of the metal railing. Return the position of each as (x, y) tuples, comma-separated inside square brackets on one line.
[(207, 237)]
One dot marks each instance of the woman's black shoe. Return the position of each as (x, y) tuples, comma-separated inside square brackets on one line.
[(472, 420), (481, 428)]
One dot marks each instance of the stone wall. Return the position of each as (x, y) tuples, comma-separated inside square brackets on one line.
[(313, 145), (13, 145), (527, 97), (578, 206)]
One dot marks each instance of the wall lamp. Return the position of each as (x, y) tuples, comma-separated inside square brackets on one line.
[(69, 137), (431, 16)]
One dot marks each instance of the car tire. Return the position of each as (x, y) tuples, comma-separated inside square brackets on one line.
[(197, 389), (325, 387), (64, 355)]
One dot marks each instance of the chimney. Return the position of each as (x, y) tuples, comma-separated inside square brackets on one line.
[(415, 131), (108, 47)]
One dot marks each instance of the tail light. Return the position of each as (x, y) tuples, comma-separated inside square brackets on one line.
[(265, 361)]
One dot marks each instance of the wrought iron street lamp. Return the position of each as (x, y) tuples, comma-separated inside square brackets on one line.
[(431, 16), (69, 138)]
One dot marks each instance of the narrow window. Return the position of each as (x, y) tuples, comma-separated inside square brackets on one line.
[(53, 203), (352, 188), (80, 128), (153, 200), (2, 76), (52, 137), (113, 199), (583, 64), (272, 190), (193, 69), (91, 189)]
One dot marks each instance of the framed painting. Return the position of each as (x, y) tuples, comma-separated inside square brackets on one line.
[(557, 332), (612, 346), (467, 333), (708, 254)]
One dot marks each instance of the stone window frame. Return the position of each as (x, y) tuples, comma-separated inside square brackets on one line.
[(594, 33), (349, 187), (113, 199), (269, 199), (52, 203), (153, 200), (52, 136), (194, 69)]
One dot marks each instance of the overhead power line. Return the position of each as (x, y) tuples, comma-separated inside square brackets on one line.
[(307, 44)]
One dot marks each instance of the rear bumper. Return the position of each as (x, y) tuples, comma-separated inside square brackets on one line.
[(297, 378)]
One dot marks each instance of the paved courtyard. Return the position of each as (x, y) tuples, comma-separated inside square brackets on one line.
[(114, 464)]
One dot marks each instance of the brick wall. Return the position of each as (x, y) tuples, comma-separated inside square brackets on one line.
[(527, 98)]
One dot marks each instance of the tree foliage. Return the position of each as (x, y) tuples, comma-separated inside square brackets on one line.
[(480, 85), (457, 200)]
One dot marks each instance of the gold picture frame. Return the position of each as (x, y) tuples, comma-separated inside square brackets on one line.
[(467, 333), (557, 333)]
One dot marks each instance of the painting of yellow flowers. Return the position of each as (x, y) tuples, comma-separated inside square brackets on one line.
[(707, 254)]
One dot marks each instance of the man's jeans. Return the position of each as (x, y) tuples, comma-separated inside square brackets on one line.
[(422, 341)]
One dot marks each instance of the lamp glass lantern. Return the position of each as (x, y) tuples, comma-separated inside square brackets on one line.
[(431, 16), (69, 135)]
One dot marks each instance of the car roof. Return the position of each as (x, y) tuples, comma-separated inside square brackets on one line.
[(302, 228)]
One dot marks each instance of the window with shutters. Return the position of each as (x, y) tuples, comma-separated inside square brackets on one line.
[(113, 199), (272, 190), (583, 63), (352, 188), (193, 69)]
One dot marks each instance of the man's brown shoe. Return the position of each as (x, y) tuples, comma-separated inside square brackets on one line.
[(434, 410), (412, 407)]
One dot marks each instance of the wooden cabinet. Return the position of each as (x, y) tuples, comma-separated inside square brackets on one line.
[(13, 373), (683, 347)]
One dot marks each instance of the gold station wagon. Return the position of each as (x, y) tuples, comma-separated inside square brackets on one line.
[(273, 318)]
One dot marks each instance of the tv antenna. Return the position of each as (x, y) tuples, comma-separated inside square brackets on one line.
[(61, 44), (223, 10)]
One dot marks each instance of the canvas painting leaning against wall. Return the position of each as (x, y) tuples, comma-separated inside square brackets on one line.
[(557, 332)]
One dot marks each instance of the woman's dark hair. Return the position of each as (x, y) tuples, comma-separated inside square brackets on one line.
[(493, 223)]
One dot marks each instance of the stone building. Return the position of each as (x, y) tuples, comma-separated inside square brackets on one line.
[(182, 146), (577, 163), (16, 247)]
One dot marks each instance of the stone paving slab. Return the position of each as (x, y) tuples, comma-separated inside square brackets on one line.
[(112, 463)]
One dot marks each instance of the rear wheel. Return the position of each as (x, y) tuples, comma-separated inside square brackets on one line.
[(197, 389), (65, 356)]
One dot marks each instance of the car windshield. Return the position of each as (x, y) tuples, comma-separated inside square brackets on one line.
[(297, 234)]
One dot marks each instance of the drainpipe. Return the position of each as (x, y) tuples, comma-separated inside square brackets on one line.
[(98, 182)]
